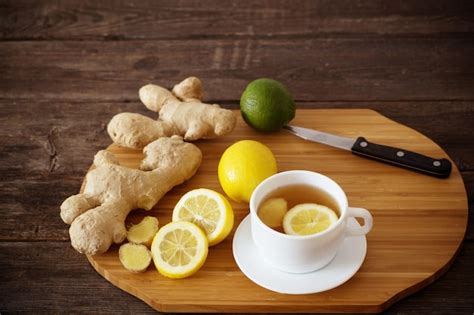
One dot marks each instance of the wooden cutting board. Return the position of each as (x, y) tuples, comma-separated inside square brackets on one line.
[(419, 222)]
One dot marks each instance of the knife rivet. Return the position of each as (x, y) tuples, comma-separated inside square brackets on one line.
[(436, 163), (363, 144), (400, 153)]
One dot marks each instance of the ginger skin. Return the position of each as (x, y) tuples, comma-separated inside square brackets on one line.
[(97, 215), (181, 112)]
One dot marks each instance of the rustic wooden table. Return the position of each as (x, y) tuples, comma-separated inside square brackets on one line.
[(67, 67)]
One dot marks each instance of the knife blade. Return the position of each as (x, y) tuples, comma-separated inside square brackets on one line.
[(440, 168)]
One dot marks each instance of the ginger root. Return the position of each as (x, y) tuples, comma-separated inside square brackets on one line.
[(135, 257), (143, 232), (272, 211), (97, 215), (181, 112)]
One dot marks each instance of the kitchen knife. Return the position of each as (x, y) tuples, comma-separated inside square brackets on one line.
[(402, 158)]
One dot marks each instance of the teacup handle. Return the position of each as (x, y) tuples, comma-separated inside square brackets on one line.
[(359, 213)]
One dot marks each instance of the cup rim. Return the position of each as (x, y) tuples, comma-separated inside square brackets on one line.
[(254, 214)]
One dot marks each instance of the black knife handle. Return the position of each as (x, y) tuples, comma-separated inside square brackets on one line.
[(410, 160)]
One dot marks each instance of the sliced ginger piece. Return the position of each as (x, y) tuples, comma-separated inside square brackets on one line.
[(272, 211), (143, 232), (135, 257)]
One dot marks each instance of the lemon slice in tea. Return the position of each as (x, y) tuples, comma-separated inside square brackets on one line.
[(308, 218)]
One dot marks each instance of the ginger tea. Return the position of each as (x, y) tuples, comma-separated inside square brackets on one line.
[(272, 209)]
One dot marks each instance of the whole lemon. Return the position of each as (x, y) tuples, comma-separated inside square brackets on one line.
[(267, 105), (243, 166)]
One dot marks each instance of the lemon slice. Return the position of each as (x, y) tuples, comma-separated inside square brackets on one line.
[(207, 209), (308, 218), (179, 249)]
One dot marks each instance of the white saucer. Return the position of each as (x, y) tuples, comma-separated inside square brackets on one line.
[(348, 260)]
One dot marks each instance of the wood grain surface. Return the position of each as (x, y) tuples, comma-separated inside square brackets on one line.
[(121, 20), (420, 222), (357, 69), (68, 66)]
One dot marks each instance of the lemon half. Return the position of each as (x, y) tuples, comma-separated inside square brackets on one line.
[(308, 218), (207, 209), (179, 249)]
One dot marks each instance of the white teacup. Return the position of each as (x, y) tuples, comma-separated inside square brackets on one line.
[(301, 254)]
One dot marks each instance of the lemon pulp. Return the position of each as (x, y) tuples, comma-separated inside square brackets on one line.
[(179, 249), (308, 218), (207, 209)]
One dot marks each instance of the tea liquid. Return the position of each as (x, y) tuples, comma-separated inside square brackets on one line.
[(298, 194)]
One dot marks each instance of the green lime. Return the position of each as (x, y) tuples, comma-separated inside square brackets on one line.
[(267, 105)]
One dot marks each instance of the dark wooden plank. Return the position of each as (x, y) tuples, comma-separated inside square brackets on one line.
[(377, 69), (44, 138), (30, 207), (51, 277), (48, 147), (203, 19)]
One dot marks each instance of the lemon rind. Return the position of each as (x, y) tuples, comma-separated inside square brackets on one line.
[(287, 226), (197, 261), (223, 227)]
